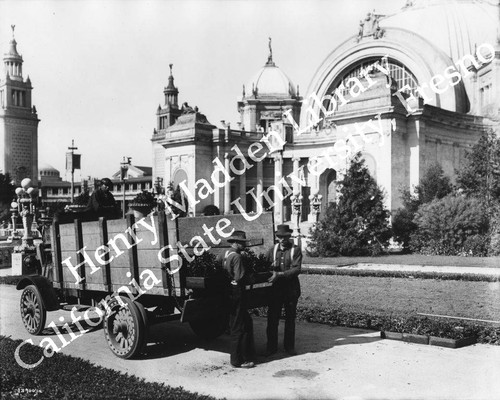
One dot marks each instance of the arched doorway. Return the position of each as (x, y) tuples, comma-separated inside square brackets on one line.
[(328, 188)]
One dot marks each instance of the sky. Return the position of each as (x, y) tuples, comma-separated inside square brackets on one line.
[(98, 68)]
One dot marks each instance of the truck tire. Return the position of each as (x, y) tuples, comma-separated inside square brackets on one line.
[(33, 311), (124, 327), (212, 328)]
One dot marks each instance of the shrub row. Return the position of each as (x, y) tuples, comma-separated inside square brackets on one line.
[(65, 377), (445, 276), (410, 323)]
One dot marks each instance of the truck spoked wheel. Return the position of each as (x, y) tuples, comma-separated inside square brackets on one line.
[(210, 328), (124, 328), (33, 312)]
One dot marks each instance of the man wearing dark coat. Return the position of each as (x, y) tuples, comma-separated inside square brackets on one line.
[(102, 203), (240, 322), (287, 261)]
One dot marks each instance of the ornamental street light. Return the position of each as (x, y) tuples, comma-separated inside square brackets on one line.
[(296, 200), (315, 199)]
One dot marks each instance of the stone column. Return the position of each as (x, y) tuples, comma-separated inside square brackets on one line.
[(260, 183), (227, 186), (296, 185), (217, 190), (243, 188), (278, 188), (313, 181), (414, 144)]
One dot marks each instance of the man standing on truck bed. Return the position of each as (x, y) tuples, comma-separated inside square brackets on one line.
[(287, 262), (240, 322), (102, 202)]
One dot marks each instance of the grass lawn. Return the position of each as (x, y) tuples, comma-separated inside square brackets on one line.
[(386, 296), (409, 259), (65, 377)]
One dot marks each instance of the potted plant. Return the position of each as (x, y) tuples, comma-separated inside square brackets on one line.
[(143, 204), (80, 202), (258, 265), (260, 271), (204, 272)]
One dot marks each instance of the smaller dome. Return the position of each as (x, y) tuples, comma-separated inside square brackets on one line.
[(271, 81), (45, 169)]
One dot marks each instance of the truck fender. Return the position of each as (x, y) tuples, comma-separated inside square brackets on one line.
[(49, 296)]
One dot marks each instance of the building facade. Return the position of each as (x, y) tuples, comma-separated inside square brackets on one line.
[(54, 189), (18, 120), (407, 90)]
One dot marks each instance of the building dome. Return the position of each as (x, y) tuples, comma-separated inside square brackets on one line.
[(455, 27), (47, 171), (271, 81)]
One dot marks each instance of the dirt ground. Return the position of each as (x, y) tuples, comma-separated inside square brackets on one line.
[(333, 363)]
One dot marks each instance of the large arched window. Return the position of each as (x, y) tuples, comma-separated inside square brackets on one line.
[(399, 73)]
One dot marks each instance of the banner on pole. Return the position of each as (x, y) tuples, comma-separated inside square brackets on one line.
[(73, 161)]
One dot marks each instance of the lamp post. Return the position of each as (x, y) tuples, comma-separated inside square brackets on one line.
[(316, 204), (23, 256), (296, 200), (123, 174)]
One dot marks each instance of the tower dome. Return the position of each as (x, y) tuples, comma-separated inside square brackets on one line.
[(271, 82)]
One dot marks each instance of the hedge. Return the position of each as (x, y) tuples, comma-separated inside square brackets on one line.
[(65, 377), (456, 276), (410, 323)]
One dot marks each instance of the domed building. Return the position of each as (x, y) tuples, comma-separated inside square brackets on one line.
[(407, 90)]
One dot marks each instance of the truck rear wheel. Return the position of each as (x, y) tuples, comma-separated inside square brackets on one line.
[(124, 328), (210, 328), (33, 311)]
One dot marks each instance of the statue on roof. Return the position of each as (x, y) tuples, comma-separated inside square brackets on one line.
[(270, 57), (370, 26), (187, 109)]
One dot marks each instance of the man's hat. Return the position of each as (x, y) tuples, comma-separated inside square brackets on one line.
[(238, 236), (283, 230), (107, 182)]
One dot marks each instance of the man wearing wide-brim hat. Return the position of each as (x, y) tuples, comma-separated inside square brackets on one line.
[(240, 322), (287, 262)]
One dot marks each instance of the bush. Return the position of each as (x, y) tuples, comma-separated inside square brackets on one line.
[(359, 223), (408, 323), (450, 225), (82, 199), (403, 226), (144, 198), (494, 245), (65, 377), (433, 185)]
